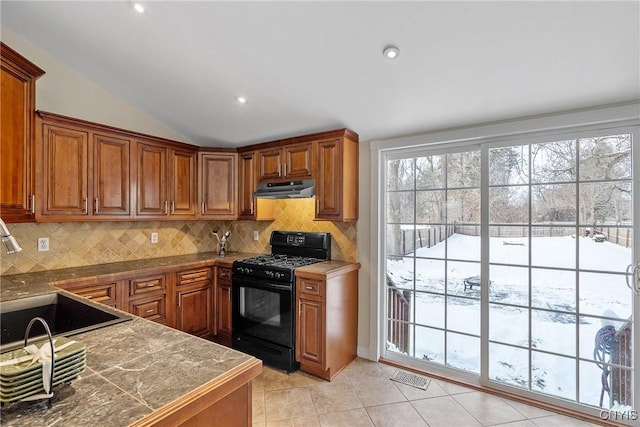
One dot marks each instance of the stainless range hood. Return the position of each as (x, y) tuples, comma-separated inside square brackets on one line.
[(286, 190)]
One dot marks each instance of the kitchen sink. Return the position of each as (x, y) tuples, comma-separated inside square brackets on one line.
[(65, 314)]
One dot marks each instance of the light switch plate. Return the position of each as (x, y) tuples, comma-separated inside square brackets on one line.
[(256, 235), (154, 237)]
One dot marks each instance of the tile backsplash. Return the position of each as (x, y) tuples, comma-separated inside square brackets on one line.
[(88, 243)]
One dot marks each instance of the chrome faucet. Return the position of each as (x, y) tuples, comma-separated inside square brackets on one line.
[(9, 241), (222, 241)]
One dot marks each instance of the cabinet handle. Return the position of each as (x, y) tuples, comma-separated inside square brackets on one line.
[(300, 307), (251, 207), (180, 300), (88, 296), (285, 170), (86, 205), (166, 207), (173, 207), (97, 203), (32, 204), (279, 169), (202, 208), (310, 288), (150, 310)]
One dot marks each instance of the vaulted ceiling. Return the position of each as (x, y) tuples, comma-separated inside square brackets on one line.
[(312, 66)]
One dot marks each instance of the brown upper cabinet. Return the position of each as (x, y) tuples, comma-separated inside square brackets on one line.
[(218, 185), (17, 106), (166, 181), (250, 208), (336, 174), (82, 172), (293, 161)]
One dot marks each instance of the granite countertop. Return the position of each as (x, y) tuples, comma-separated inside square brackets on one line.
[(327, 269), (29, 284), (133, 369)]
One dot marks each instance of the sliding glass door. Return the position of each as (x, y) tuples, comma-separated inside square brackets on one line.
[(551, 226)]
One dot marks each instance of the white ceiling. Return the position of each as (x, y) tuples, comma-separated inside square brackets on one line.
[(314, 66)]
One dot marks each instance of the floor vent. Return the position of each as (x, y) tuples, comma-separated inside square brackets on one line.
[(411, 379)]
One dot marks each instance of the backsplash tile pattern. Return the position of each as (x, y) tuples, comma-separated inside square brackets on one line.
[(88, 243)]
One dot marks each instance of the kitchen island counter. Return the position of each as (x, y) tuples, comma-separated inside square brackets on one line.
[(140, 373)]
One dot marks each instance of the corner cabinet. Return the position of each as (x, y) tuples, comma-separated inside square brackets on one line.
[(336, 173), (217, 179), (327, 317), (17, 105)]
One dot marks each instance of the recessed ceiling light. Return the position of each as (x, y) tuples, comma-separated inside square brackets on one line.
[(391, 52), (241, 99), (138, 7)]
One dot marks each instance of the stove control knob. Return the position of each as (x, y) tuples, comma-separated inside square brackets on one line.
[(269, 273), (278, 275)]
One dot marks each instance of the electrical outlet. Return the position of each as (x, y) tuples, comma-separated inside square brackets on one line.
[(154, 237), (256, 235), (43, 244)]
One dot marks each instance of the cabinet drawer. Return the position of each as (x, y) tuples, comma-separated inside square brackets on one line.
[(192, 276), (152, 308), (311, 287), (105, 294), (224, 273), (147, 284)]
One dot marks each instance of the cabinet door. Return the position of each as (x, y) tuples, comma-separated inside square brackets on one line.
[(111, 175), (328, 181), (65, 175), (298, 161), (248, 207), (183, 183), (152, 197), (218, 185), (269, 164), (223, 313), (194, 310), (246, 185), (17, 104), (310, 331)]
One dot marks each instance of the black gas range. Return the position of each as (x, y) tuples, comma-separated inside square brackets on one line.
[(264, 296)]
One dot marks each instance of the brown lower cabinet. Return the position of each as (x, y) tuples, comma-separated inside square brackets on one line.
[(180, 298), (223, 306), (327, 319)]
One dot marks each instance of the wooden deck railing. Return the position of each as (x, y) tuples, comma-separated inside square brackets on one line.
[(398, 310)]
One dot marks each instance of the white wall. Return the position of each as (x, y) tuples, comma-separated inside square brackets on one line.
[(364, 243), (63, 90)]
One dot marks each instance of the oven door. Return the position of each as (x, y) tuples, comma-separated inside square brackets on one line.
[(263, 310)]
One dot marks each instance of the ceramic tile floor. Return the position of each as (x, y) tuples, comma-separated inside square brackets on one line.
[(363, 395)]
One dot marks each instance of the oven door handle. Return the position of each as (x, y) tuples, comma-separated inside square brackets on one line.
[(253, 283)]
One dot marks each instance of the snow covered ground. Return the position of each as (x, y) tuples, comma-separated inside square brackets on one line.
[(545, 294)]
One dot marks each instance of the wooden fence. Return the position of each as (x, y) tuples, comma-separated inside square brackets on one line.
[(425, 237), (615, 234)]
